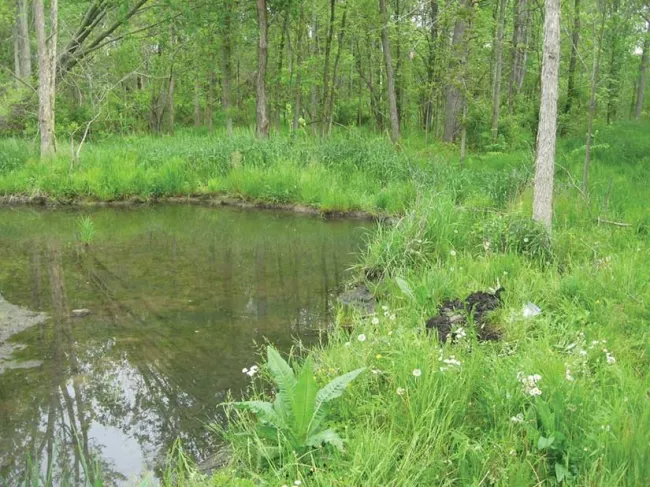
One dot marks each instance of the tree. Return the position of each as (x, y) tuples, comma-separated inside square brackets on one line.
[(573, 60), (643, 70), (519, 50), (390, 77), (262, 129), (46, 73), (496, 96), (22, 49), (546, 132)]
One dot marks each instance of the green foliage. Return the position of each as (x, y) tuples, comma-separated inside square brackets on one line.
[(86, 228), (296, 418)]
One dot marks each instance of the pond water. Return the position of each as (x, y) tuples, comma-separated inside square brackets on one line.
[(181, 299)]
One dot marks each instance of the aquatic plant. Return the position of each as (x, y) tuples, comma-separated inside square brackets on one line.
[(86, 229)]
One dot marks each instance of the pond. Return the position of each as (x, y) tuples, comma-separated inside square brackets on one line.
[(181, 299)]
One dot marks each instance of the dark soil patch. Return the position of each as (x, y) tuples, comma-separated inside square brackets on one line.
[(454, 313)]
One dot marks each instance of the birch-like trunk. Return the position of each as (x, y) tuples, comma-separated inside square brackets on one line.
[(298, 88), (496, 95), (46, 73), (643, 71), (546, 132), (22, 50), (262, 128), (390, 76)]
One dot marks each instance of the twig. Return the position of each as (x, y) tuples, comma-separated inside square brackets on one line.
[(610, 222)]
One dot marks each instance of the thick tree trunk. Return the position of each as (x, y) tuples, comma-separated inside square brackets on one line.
[(454, 94), (573, 60), (496, 95), (390, 79), (298, 89), (22, 50), (262, 129), (546, 132), (519, 51), (46, 73), (592, 99), (643, 70), (227, 66)]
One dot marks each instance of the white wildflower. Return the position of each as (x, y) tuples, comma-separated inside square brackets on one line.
[(519, 418), (252, 371), (392, 317), (400, 391), (452, 253), (375, 321), (525, 239), (486, 245), (361, 338), (384, 308), (297, 482), (610, 358), (452, 361), (417, 372), (568, 375), (530, 309), (376, 371), (530, 384), (583, 352), (347, 344)]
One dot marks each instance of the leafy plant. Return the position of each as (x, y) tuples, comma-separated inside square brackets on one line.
[(296, 418), (86, 229)]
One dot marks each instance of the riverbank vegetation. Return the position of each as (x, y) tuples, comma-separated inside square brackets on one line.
[(442, 115)]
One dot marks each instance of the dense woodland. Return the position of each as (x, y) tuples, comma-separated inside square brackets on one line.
[(458, 70)]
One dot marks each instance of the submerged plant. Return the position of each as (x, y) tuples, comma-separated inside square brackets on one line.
[(86, 229), (297, 416)]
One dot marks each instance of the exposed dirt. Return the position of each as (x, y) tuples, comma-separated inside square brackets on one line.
[(203, 200), (454, 314)]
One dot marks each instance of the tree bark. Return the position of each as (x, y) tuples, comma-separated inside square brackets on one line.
[(227, 66), (519, 51), (643, 70), (197, 101), (298, 89), (592, 98), (22, 48), (390, 78), (547, 129), (613, 82), (326, 68), (330, 102), (496, 95), (431, 65), (262, 129), (573, 60), (46, 73), (454, 95)]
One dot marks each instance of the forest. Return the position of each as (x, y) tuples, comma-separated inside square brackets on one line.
[(500, 150)]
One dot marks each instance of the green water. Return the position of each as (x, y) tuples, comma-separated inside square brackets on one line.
[(182, 298)]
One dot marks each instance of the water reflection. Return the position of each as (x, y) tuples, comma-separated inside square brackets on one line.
[(179, 296)]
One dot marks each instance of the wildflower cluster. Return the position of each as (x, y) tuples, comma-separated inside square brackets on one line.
[(251, 372), (529, 383), (388, 314), (450, 362)]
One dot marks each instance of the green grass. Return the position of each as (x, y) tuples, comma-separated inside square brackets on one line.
[(459, 230)]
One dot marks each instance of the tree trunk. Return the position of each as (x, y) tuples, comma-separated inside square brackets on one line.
[(277, 88), (330, 103), (546, 131), (326, 68), (643, 70), (390, 81), (262, 129), (519, 51), (613, 82), (46, 73), (454, 95), (197, 101), (573, 60), (170, 101), (298, 89), (227, 66), (431, 65), (592, 99), (22, 51), (211, 102), (496, 95)]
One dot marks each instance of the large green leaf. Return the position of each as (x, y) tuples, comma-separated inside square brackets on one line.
[(327, 437), (304, 397), (284, 379), (331, 391), (264, 412)]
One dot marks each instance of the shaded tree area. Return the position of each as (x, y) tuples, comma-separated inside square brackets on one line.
[(457, 70)]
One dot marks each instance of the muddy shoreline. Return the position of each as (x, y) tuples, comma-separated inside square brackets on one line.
[(199, 200)]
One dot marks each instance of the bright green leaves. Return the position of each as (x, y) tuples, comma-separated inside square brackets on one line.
[(297, 415)]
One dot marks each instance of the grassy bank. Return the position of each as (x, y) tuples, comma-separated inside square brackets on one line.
[(423, 412)]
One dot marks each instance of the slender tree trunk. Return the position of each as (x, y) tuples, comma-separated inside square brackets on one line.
[(46, 73), (211, 102), (399, 88), (390, 78), (326, 68), (330, 103), (454, 95), (519, 51), (262, 56), (170, 101), (197, 101), (573, 60), (227, 66), (22, 48), (496, 95), (431, 65), (547, 129), (643, 70), (277, 89), (592, 99), (298, 89)]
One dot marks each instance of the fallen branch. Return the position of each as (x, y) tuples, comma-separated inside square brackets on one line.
[(609, 222)]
